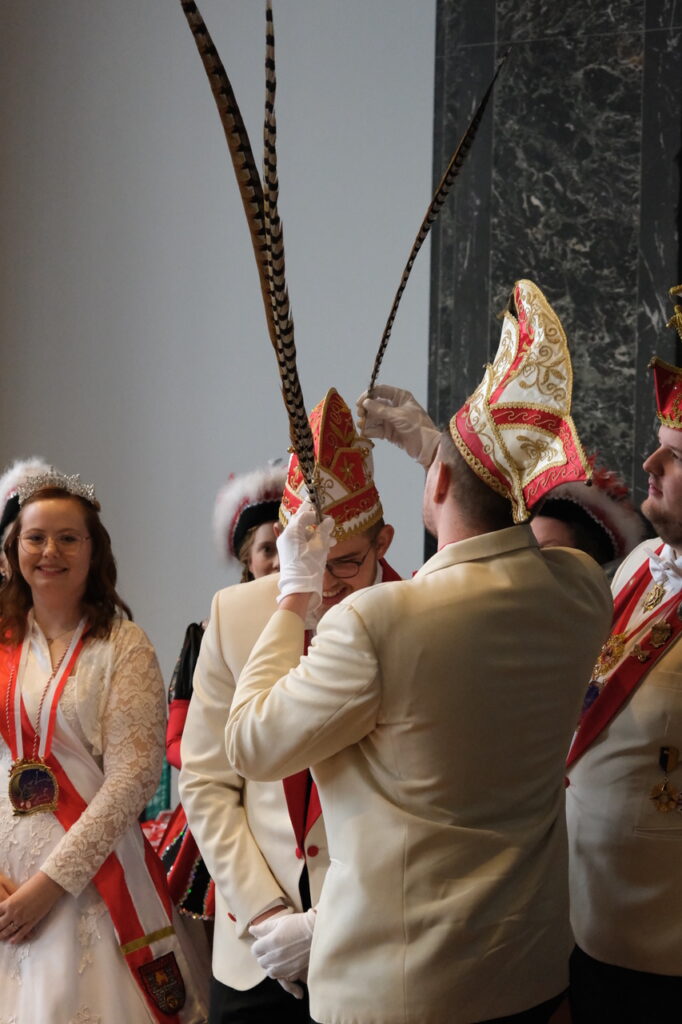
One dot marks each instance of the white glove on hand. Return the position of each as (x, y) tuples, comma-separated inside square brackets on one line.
[(397, 416), (303, 549), (282, 946)]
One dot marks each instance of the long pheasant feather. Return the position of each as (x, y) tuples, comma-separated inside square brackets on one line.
[(267, 242), (301, 435), (452, 171)]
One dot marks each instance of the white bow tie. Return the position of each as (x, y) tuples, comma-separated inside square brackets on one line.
[(666, 570)]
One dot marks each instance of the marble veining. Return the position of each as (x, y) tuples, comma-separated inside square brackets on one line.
[(574, 182)]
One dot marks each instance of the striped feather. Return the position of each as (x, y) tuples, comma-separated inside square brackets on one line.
[(452, 171), (300, 432), (264, 224)]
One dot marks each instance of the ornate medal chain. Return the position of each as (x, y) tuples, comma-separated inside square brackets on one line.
[(33, 785), (36, 727), (614, 647)]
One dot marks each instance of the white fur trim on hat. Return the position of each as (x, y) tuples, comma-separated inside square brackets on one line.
[(242, 493), (20, 470)]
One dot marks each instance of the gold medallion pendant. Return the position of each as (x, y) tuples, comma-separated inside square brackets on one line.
[(610, 654), (33, 787), (665, 797), (660, 634), (653, 597)]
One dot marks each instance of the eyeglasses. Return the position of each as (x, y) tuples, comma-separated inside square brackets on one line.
[(347, 568), (34, 542)]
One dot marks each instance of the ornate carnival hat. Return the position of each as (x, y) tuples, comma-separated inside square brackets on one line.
[(344, 471), (16, 474), (604, 508), (515, 431), (668, 390), (668, 378), (245, 501)]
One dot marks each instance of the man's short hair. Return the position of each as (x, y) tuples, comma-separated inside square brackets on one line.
[(479, 504)]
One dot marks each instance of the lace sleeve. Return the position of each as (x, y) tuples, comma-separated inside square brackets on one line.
[(133, 733)]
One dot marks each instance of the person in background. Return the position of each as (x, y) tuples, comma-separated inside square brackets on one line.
[(87, 930), (597, 518), (15, 474), (436, 713), (244, 517), (624, 799), (265, 842)]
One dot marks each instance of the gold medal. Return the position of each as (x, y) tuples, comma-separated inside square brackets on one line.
[(654, 597), (665, 797), (610, 654), (33, 787), (639, 653), (660, 633)]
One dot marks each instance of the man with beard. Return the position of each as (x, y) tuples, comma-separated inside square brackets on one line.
[(624, 801)]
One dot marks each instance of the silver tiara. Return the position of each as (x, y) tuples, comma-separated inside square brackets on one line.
[(73, 484)]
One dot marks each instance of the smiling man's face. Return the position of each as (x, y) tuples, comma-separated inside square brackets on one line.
[(358, 555)]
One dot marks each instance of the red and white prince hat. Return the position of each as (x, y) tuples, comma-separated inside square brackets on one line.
[(515, 431), (668, 378), (668, 389), (344, 471)]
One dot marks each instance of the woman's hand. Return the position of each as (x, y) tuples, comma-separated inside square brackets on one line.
[(23, 907), (7, 887)]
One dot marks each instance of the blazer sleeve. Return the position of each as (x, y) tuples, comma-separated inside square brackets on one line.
[(212, 793), (289, 712)]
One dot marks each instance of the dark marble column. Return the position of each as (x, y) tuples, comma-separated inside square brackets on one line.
[(573, 181)]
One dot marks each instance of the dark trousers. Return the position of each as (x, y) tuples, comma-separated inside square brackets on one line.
[(539, 1014), (259, 1005), (601, 993)]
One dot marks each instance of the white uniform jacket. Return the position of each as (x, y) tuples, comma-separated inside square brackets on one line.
[(437, 713), (625, 856), (242, 829)]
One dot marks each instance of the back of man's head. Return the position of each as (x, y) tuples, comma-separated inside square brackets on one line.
[(479, 506)]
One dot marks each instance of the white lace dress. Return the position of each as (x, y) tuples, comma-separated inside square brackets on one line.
[(71, 971)]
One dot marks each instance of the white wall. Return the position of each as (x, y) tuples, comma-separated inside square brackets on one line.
[(132, 340)]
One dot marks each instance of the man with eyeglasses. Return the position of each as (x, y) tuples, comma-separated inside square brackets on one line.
[(436, 713), (264, 843)]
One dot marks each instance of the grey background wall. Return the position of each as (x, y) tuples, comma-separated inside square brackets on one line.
[(132, 340), (573, 181)]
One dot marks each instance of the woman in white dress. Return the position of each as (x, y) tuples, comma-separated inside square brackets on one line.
[(87, 932)]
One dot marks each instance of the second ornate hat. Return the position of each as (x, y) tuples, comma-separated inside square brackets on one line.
[(245, 501), (668, 389), (344, 471), (515, 431), (14, 476)]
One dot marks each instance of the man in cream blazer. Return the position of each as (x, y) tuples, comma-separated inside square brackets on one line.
[(624, 801), (437, 713), (265, 847)]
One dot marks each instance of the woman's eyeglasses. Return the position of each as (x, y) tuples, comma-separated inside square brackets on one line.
[(34, 542)]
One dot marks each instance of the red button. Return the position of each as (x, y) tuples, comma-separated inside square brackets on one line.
[(313, 851), (299, 853), (232, 917)]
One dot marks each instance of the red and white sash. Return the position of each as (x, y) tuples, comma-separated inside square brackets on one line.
[(629, 673), (131, 881)]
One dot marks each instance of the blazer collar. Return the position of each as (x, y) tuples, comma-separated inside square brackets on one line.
[(485, 545)]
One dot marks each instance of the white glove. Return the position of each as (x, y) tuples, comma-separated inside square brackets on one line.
[(303, 549), (397, 416), (282, 946)]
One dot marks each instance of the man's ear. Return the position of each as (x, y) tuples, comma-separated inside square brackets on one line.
[(441, 484), (383, 540)]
